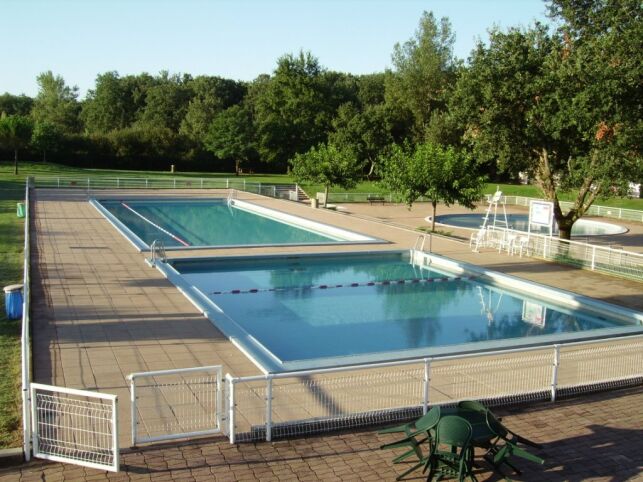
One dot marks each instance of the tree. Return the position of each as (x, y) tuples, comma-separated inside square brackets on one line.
[(108, 106), (431, 171), (45, 137), (231, 136), (565, 107), (366, 134), (424, 69), (15, 133), (292, 109), (15, 104), (327, 165), (166, 102), (56, 103), (211, 96)]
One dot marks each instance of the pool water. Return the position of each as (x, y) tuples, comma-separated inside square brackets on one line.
[(323, 309), (520, 222), (208, 223)]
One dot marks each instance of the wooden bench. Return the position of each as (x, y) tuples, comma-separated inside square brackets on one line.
[(375, 199)]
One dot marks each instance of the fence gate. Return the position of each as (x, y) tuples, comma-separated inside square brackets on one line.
[(75, 426), (180, 403)]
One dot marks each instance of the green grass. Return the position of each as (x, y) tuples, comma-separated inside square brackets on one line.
[(11, 259)]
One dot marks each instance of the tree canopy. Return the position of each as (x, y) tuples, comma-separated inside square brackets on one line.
[(327, 165), (436, 173), (561, 102)]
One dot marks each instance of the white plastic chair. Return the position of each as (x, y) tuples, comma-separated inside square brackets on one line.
[(479, 238)]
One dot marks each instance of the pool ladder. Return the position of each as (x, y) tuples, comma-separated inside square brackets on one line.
[(421, 241), (231, 196), (158, 252)]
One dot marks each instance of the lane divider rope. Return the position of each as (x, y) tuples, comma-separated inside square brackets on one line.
[(184, 243), (347, 285)]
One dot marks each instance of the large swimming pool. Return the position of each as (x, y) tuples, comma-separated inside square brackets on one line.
[(313, 311), (199, 223)]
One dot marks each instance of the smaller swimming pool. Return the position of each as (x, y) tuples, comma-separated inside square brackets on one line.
[(215, 223), (519, 222)]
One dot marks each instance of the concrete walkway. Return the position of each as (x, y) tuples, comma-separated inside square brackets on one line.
[(596, 438), (100, 313)]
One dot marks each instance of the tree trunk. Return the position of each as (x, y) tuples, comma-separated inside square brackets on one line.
[(15, 161), (434, 204), (325, 195), (370, 170), (565, 229), (44, 156), (237, 166)]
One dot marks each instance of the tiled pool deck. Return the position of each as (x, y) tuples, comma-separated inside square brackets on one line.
[(598, 437), (99, 313)]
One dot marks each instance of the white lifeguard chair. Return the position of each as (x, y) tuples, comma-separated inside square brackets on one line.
[(493, 206)]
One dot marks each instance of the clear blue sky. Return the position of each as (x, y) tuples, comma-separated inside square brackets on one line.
[(235, 39)]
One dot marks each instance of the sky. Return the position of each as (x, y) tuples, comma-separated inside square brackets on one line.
[(240, 39)]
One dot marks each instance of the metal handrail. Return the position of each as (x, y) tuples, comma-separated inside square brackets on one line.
[(25, 344)]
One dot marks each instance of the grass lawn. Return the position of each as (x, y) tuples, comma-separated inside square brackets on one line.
[(11, 259)]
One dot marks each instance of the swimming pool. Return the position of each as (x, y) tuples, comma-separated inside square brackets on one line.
[(212, 223), (313, 311), (519, 222)]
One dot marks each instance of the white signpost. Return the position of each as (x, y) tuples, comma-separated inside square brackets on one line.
[(541, 213)]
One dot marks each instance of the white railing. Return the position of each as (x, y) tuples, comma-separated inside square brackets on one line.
[(594, 210), (179, 403), (100, 182), (75, 426), (299, 403), (25, 341), (589, 256)]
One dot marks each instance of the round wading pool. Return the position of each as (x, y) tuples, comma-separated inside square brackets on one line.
[(582, 227)]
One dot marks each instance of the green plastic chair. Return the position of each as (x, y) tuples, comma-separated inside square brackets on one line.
[(411, 431), (451, 451), (504, 445)]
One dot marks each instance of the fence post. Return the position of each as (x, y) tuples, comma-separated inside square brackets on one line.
[(174, 183), (269, 408), (231, 407), (554, 372), (35, 443), (146, 182), (115, 435), (244, 184), (201, 183), (274, 191), (593, 257), (118, 182), (58, 182), (134, 412), (427, 384), (88, 184)]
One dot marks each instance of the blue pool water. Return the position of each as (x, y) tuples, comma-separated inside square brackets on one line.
[(199, 223), (293, 309), (519, 222)]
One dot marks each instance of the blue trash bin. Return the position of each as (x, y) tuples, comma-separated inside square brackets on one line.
[(13, 301)]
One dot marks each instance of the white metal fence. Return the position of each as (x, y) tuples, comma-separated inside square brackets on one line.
[(100, 182), (180, 403), (589, 256), (299, 403), (75, 426), (594, 210)]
